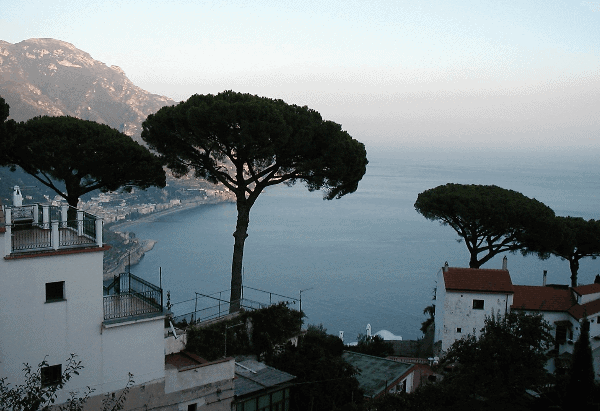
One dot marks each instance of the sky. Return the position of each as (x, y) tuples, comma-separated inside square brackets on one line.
[(430, 74)]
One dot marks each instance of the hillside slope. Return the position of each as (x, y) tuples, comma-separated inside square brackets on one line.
[(53, 77)]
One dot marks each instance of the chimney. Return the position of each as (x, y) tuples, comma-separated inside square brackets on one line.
[(17, 197), (545, 274), (445, 267), (505, 263)]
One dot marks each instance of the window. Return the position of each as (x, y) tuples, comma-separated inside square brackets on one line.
[(561, 334), (277, 402), (459, 330), (478, 304), (192, 407), (264, 403), (55, 291), (51, 375), (249, 405)]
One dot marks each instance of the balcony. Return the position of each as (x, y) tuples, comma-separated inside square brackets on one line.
[(40, 228), (129, 297)]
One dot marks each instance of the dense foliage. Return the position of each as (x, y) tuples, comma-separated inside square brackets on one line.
[(7, 127), (574, 238), (248, 143), (507, 358), (73, 157), (490, 371), (256, 332), (489, 219), (581, 386), (430, 311), (374, 345), (324, 381)]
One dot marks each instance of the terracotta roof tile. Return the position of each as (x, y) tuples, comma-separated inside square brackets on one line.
[(580, 311), (540, 298), (478, 279), (587, 289)]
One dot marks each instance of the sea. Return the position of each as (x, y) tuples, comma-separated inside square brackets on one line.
[(369, 257)]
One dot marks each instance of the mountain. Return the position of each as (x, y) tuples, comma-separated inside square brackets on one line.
[(53, 77)]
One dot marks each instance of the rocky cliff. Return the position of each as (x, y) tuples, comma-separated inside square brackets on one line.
[(53, 77)]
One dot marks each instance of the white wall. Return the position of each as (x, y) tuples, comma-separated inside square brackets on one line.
[(136, 348), (440, 315), (584, 299), (176, 380), (31, 329), (459, 313)]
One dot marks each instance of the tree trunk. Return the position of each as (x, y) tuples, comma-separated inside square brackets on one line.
[(240, 234), (72, 211), (474, 263), (574, 266)]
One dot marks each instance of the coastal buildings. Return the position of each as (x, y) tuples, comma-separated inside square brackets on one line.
[(465, 296), (54, 303)]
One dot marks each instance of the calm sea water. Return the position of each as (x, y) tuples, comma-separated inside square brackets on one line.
[(368, 257)]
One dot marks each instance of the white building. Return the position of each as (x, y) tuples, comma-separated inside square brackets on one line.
[(565, 309), (53, 303), (466, 296)]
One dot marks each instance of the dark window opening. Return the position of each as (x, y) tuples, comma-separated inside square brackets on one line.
[(192, 407), (55, 291), (51, 375), (459, 330), (478, 304), (561, 334)]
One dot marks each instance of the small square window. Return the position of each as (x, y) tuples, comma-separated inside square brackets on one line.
[(192, 407), (459, 330), (55, 291), (478, 304), (51, 375)]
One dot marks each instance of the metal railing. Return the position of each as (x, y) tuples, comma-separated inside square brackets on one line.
[(212, 307), (129, 296), (39, 227)]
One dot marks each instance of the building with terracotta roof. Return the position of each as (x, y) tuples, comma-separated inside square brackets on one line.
[(565, 308), (466, 296)]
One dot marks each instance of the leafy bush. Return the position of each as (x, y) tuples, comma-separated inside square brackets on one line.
[(256, 332)]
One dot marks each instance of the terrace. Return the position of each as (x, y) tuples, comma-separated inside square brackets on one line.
[(39, 228), (129, 296)]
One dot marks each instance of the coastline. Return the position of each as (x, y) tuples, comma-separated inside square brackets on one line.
[(137, 248), (153, 216), (135, 254)]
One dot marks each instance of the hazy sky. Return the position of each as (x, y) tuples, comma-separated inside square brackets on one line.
[(428, 73)]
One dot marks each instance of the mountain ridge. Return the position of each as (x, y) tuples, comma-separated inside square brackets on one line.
[(44, 76)]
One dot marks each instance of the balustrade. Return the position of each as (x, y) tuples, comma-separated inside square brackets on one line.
[(39, 227)]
